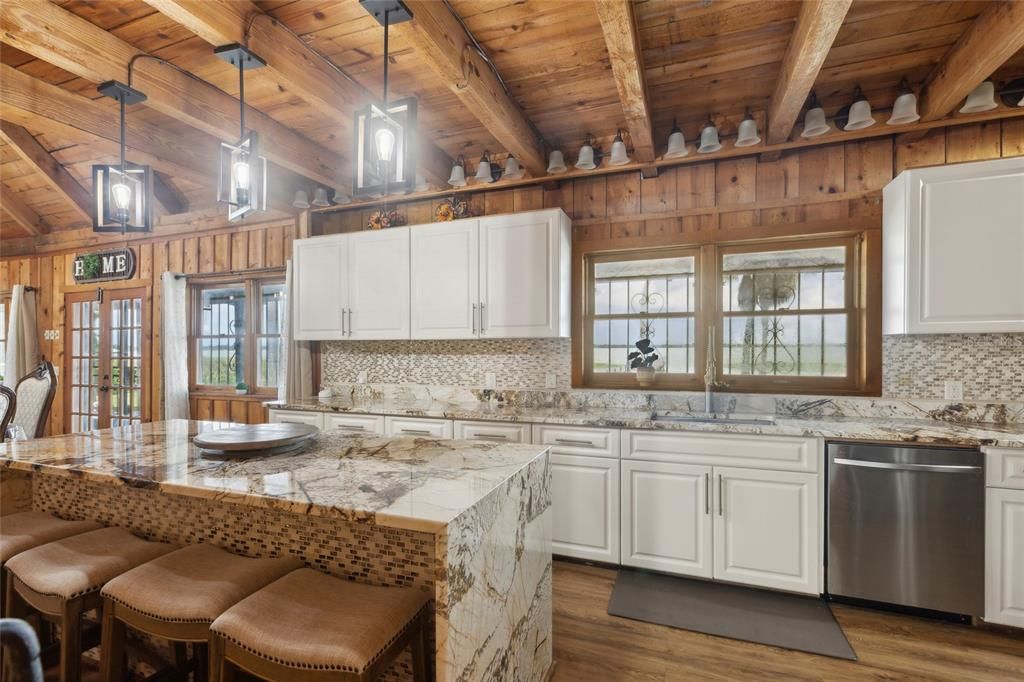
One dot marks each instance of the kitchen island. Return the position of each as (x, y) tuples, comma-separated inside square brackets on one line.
[(467, 521)]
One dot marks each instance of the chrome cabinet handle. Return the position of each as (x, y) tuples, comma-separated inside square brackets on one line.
[(416, 432), (350, 427), (474, 318), (707, 493), (490, 436), (343, 331), (481, 318), (937, 468), (350, 322), (721, 496), (571, 441)]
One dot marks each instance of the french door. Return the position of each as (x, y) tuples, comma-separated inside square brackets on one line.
[(105, 347)]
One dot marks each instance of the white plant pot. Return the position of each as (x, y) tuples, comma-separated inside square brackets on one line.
[(646, 376)]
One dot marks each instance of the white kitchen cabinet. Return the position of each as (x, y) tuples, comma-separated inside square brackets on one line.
[(585, 507), (355, 423), (666, 517), (320, 287), (1004, 556), (378, 284), (296, 417), (953, 241), (497, 432), (418, 426), (578, 440), (766, 528), (446, 280), (524, 275)]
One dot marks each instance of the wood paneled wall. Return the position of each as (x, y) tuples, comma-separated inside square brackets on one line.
[(224, 249)]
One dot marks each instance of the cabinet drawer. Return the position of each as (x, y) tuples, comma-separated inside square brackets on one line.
[(755, 451), (1004, 468), (571, 440), (500, 432), (418, 426), (370, 423), (296, 417)]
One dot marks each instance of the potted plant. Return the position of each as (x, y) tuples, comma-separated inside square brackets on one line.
[(642, 360), (241, 388)]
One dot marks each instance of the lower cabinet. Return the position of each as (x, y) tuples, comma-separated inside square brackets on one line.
[(1004, 560), (585, 507), (750, 526)]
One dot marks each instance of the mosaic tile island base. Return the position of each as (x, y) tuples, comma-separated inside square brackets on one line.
[(469, 522)]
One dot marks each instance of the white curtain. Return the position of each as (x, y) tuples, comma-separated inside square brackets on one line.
[(295, 380), (22, 336), (174, 337)]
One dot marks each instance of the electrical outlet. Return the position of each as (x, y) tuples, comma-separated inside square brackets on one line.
[(361, 377), (550, 380), (490, 380), (954, 390)]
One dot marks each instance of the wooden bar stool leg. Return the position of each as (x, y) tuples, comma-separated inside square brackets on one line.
[(71, 640), (215, 658), (200, 661), (419, 657), (111, 645)]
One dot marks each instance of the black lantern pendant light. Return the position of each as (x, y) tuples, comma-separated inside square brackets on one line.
[(242, 172), (123, 192)]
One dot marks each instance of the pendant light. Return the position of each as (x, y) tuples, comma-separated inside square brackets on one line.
[(242, 176), (123, 192), (676, 143), (585, 159), (709, 138), (904, 109), (814, 120), (513, 171), (982, 98), (860, 112), (458, 176), (747, 136), (619, 156), (556, 163), (483, 169)]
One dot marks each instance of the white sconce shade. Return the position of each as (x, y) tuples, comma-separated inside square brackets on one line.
[(904, 109), (458, 176), (814, 120), (556, 163), (585, 160), (619, 157), (709, 139), (320, 197), (860, 113), (748, 132), (513, 171), (341, 198), (421, 183), (301, 200), (982, 98), (676, 143), (483, 169)]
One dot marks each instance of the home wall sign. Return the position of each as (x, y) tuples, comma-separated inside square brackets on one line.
[(104, 266)]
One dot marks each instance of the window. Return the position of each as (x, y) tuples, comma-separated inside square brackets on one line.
[(236, 334), (777, 316)]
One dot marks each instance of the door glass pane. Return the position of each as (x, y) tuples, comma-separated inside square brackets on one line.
[(84, 375), (125, 361)]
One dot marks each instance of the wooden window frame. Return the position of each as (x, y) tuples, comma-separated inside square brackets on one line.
[(252, 286)]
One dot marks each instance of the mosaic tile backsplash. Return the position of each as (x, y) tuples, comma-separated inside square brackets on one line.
[(991, 366)]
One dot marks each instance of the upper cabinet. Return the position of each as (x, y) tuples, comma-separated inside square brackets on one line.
[(491, 277), (953, 247)]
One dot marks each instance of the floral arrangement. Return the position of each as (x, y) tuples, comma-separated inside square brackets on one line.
[(381, 219), (451, 208)]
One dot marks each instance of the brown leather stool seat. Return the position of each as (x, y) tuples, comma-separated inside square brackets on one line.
[(178, 595), (26, 530), (311, 626), (63, 578)]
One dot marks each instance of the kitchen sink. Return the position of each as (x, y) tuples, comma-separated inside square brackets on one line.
[(715, 418)]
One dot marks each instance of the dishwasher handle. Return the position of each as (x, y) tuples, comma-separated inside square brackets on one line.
[(899, 466)]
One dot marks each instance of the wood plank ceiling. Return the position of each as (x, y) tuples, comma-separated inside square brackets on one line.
[(700, 58)]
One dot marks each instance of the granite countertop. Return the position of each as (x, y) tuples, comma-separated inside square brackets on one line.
[(409, 483), (926, 431)]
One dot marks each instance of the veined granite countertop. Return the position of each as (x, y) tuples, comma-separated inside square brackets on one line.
[(409, 483), (925, 431)]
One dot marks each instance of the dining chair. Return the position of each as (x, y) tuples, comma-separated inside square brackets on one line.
[(34, 395)]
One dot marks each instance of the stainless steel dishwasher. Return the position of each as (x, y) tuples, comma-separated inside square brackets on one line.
[(906, 526)]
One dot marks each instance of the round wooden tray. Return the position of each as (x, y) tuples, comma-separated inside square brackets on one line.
[(256, 438)]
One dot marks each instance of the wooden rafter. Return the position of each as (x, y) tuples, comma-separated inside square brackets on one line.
[(53, 34), (441, 42), (27, 147), (816, 29), (296, 65), (169, 196), (22, 213), (622, 39), (995, 36)]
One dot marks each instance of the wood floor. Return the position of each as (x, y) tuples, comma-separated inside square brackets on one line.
[(591, 645)]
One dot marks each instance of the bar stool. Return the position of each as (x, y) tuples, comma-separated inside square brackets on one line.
[(63, 579), (312, 627), (177, 596)]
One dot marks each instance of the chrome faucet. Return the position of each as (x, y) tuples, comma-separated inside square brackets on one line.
[(709, 374)]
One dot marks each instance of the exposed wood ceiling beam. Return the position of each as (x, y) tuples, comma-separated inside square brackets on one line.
[(55, 35), (816, 29), (441, 42), (622, 39), (169, 196), (296, 65), (52, 172), (995, 36), (22, 213)]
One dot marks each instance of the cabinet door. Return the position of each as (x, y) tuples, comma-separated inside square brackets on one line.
[(585, 507), (1004, 561), (296, 417), (355, 423), (666, 517), (766, 529), (418, 426), (521, 278), (445, 280), (321, 287), (378, 281)]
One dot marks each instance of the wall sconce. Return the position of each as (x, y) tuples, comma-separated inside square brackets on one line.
[(556, 163), (1012, 93), (982, 98), (458, 176), (588, 158), (513, 171), (709, 142), (123, 192), (858, 115), (747, 136), (814, 120), (676, 143), (618, 156), (486, 171), (904, 109)]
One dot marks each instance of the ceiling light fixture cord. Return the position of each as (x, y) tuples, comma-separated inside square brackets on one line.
[(124, 175), (131, 68)]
